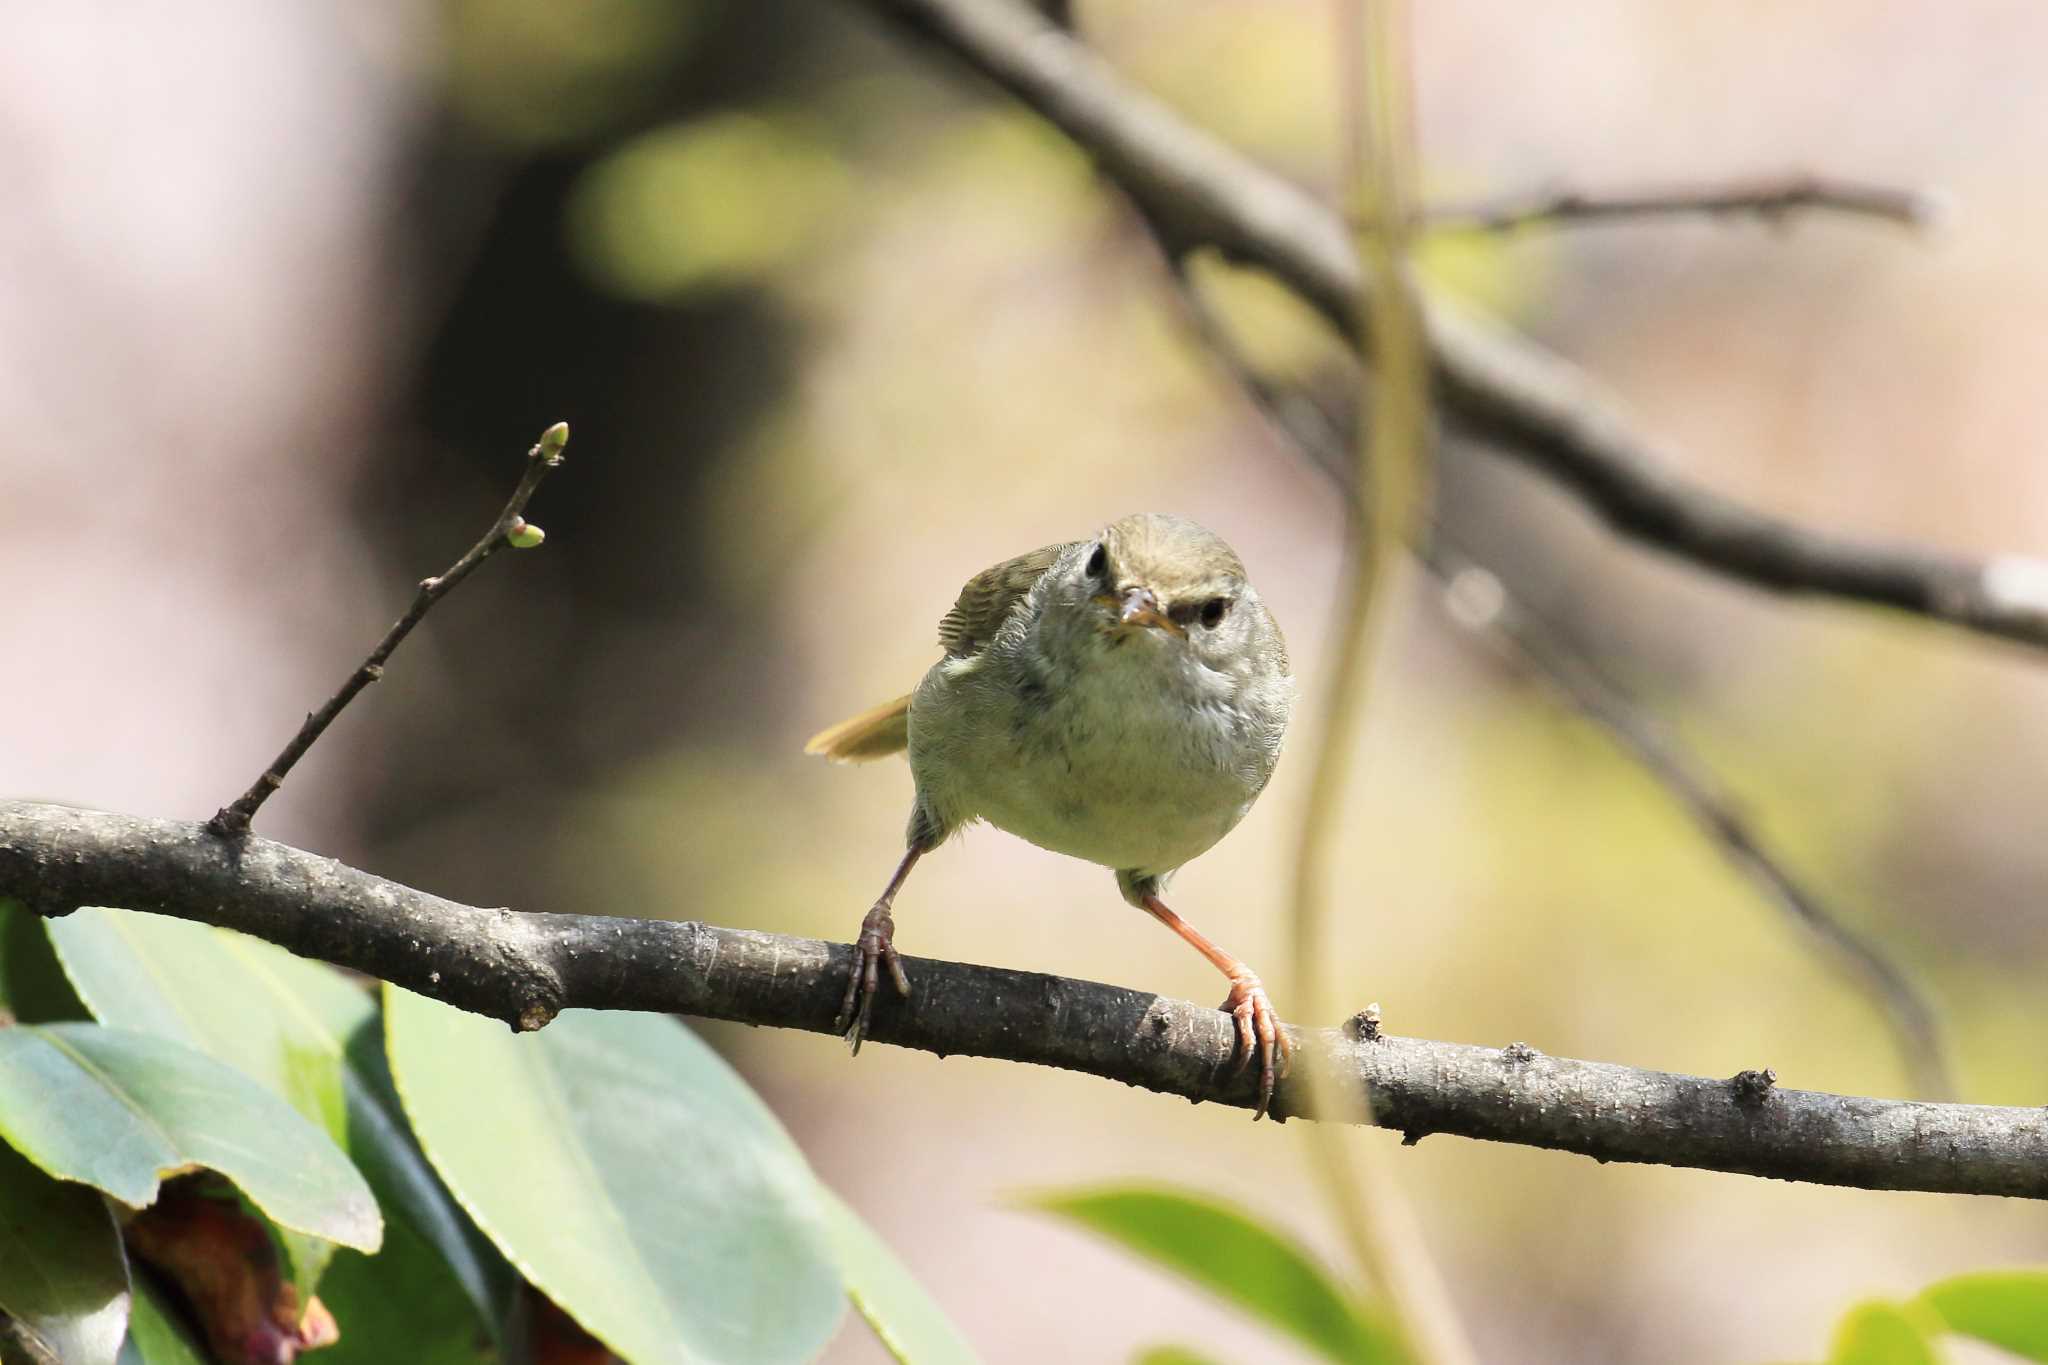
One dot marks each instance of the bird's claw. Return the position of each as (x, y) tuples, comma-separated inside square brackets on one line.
[(1259, 1033), (875, 947)]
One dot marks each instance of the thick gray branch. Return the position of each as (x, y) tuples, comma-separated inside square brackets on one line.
[(524, 967), (1496, 384)]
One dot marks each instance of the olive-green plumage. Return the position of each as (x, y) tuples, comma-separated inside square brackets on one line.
[(1120, 700)]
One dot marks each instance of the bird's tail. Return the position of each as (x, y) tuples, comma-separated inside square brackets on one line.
[(872, 734)]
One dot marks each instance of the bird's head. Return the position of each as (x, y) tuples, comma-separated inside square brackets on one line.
[(1162, 583)]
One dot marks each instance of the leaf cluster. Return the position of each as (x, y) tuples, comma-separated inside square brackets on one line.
[(214, 1148)]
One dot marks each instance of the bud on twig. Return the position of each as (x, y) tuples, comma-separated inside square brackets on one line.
[(552, 440)]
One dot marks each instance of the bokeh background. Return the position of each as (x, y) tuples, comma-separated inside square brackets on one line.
[(289, 289)]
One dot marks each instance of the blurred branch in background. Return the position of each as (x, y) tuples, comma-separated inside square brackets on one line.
[(1911, 1017), (1774, 200), (1496, 384), (524, 968), (1322, 438)]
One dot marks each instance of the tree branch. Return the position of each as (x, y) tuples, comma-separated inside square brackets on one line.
[(1321, 439), (1686, 779), (510, 528), (524, 968), (1773, 200), (1495, 383)]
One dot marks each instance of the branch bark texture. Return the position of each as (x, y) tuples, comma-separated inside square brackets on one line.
[(524, 967), (1495, 383)]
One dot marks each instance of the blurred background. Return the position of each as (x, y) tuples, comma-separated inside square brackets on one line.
[(290, 288)]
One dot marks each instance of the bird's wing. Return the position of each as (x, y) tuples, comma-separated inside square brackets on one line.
[(989, 597)]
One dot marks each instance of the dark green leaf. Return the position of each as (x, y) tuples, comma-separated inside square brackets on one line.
[(400, 1305), (32, 986), (630, 1174), (1237, 1259), (153, 1338), (312, 1037), (118, 1110), (911, 1326), (2007, 1308), (1878, 1333), (62, 1274)]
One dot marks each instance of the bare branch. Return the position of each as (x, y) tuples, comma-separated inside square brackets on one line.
[(1496, 384), (1773, 200), (524, 968), (1320, 439), (1688, 781), (232, 821)]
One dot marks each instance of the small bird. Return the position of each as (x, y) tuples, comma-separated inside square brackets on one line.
[(1121, 700)]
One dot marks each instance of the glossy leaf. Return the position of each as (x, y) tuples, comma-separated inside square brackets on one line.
[(172, 979), (1239, 1260), (435, 1227), (216, 992), (119, 1110), (1879, 1333), (630, 1174), (314, 1038), (2007, 1308), (62, 1274), (153, 1338), (911, 1326)]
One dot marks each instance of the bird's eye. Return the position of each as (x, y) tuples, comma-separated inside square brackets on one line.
[(1098, 563), (1214, 610)]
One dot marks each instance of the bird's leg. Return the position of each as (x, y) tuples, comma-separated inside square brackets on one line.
[(875, 947), (1258, 1027)]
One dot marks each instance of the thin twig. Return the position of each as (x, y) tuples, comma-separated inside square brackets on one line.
[(1320, 438), (1775, 201), (1497, 384), (232, 821), (524, 968)]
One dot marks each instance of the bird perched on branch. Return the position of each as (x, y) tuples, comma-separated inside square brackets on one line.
[(1120, 699)]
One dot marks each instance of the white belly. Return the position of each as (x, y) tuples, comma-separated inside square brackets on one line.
[(1149, 818), (1116, 770)]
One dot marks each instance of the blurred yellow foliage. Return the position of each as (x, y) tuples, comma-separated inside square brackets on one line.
[(1489, 270), (1267, 85), (713, 201), (535, 73)]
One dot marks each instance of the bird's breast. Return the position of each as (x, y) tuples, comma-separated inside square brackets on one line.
[(1126, 767)]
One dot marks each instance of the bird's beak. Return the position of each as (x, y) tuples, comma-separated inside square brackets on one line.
[(1139, 607)]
